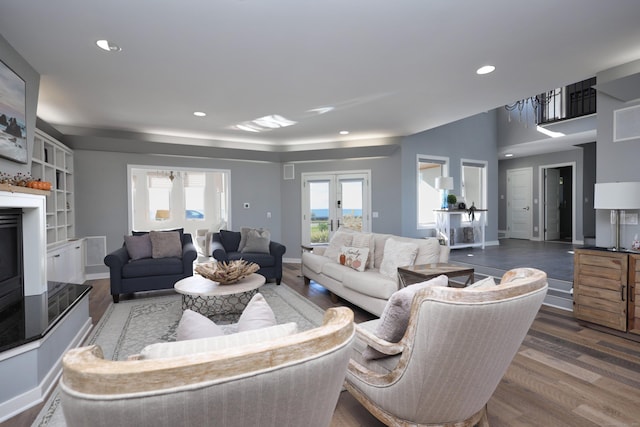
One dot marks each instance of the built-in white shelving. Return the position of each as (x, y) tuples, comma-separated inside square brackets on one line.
[(53, 161)]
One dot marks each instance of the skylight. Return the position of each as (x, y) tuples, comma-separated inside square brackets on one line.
[(273, 121)]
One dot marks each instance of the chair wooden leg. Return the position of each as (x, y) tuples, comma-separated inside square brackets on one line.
[(307, 281)]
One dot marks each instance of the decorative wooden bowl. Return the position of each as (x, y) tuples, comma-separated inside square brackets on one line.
[(227, 273)]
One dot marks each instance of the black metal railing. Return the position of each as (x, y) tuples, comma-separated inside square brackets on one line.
[(574, 100)]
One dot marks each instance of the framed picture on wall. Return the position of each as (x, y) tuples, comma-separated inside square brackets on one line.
[(13, 115)]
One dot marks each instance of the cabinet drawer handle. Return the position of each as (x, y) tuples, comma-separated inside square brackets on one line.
[(622, 289), (57, 256)]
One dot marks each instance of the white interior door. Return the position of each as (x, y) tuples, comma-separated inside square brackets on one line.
[(333, 200), (519, 211), (552, 204)]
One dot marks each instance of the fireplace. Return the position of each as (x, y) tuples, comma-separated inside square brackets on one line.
[(11, 265)]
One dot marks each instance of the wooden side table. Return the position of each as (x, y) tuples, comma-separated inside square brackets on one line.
[(419, 273)]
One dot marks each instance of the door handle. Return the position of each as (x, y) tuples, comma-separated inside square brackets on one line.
[(331, 224), (526, 209), (338, 223)]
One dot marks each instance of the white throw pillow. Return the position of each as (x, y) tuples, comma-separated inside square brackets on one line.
[(257, 241), (482, 284), (355, 258), (339, 239), (365, 240), (397, 254), (395, 316), (194, 325), (256, 315)]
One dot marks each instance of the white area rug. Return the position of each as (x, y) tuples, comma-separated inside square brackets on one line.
[(127, 327)]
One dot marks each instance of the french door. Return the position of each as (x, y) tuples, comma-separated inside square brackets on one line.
[(333, 200)]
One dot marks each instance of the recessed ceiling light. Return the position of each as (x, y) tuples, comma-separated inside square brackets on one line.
[(486, 69), (199, 113), (509, 155), (108, 46), (344, 132)]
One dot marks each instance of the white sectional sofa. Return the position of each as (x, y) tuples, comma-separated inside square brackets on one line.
[(369, 289)]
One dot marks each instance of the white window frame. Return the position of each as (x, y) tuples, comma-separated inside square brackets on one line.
[(425, 158)]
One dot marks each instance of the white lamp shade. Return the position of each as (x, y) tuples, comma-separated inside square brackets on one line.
[(444, 183), (617, 195)]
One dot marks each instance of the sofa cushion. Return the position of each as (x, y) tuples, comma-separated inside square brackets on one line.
[(230, 240), (152, 267), (365, 240), (335, 271), (340, 238), (256, 315), (194, 325), (428, 249), (397, 254), (165, 244), (202, 345), (244, 231), (179, 230), (355, 258), (263, 260), (257, 241), (371, 283), (138, 247), (378, 252), (314, 262), (395, 316)]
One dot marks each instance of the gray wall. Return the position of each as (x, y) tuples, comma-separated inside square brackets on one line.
[(616, 161), (535, 162), (13, 60), (471, 138), (101, 191)]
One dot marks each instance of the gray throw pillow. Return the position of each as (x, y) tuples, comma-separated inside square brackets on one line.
[(244, 232), (257, 241), (138, 247), (395, 315), (165, 244)]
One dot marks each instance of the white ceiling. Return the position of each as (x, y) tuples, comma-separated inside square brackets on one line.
[(388, 68)]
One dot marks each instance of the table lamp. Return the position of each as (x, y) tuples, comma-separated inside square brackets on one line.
[(162, 214), (444, 184), (617, 196)]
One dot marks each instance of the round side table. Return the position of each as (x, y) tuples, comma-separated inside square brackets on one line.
[(215, 301)]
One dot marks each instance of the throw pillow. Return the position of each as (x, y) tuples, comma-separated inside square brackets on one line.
[(395, 316), (397, 254), (230, 240), (482, 284), (194, 325), (165, 244), (365, 240), (257, 241), (244, 231), (138, 247), (256, 315), (355, 258), (339, 239)]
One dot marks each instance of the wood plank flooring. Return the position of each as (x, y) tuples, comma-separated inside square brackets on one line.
[(565, 374)]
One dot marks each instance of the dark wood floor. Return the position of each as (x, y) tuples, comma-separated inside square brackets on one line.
[(565, 374)]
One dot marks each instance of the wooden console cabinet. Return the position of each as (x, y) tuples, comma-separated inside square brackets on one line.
[(606, 288)]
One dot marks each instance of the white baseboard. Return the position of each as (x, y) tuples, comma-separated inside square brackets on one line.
[(96, 276), (292, 260)]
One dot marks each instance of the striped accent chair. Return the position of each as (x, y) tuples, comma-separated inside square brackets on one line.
[(456, 349), (292, 380)]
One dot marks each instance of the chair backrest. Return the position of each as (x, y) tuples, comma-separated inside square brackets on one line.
[(458, 345), (290, 381)]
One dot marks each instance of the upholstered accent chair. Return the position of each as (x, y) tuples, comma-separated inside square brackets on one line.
[(293, 380), (456, 349)]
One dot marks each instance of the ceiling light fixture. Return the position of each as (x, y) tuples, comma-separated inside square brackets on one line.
[(486, 69), (508, 155), (270, 122), (108, 46), (548, 132), (344, 132), (199, 113)]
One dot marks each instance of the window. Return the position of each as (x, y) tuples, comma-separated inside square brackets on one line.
[(429, 167), (474, 183), (191, 199)]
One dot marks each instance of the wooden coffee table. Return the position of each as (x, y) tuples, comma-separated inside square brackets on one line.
[(419, 273), (216, 301)]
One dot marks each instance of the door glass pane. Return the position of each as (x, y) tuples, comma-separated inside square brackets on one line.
[(351, 204), (319, 208)]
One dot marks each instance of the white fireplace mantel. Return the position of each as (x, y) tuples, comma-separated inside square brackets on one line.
[(34, 238)]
